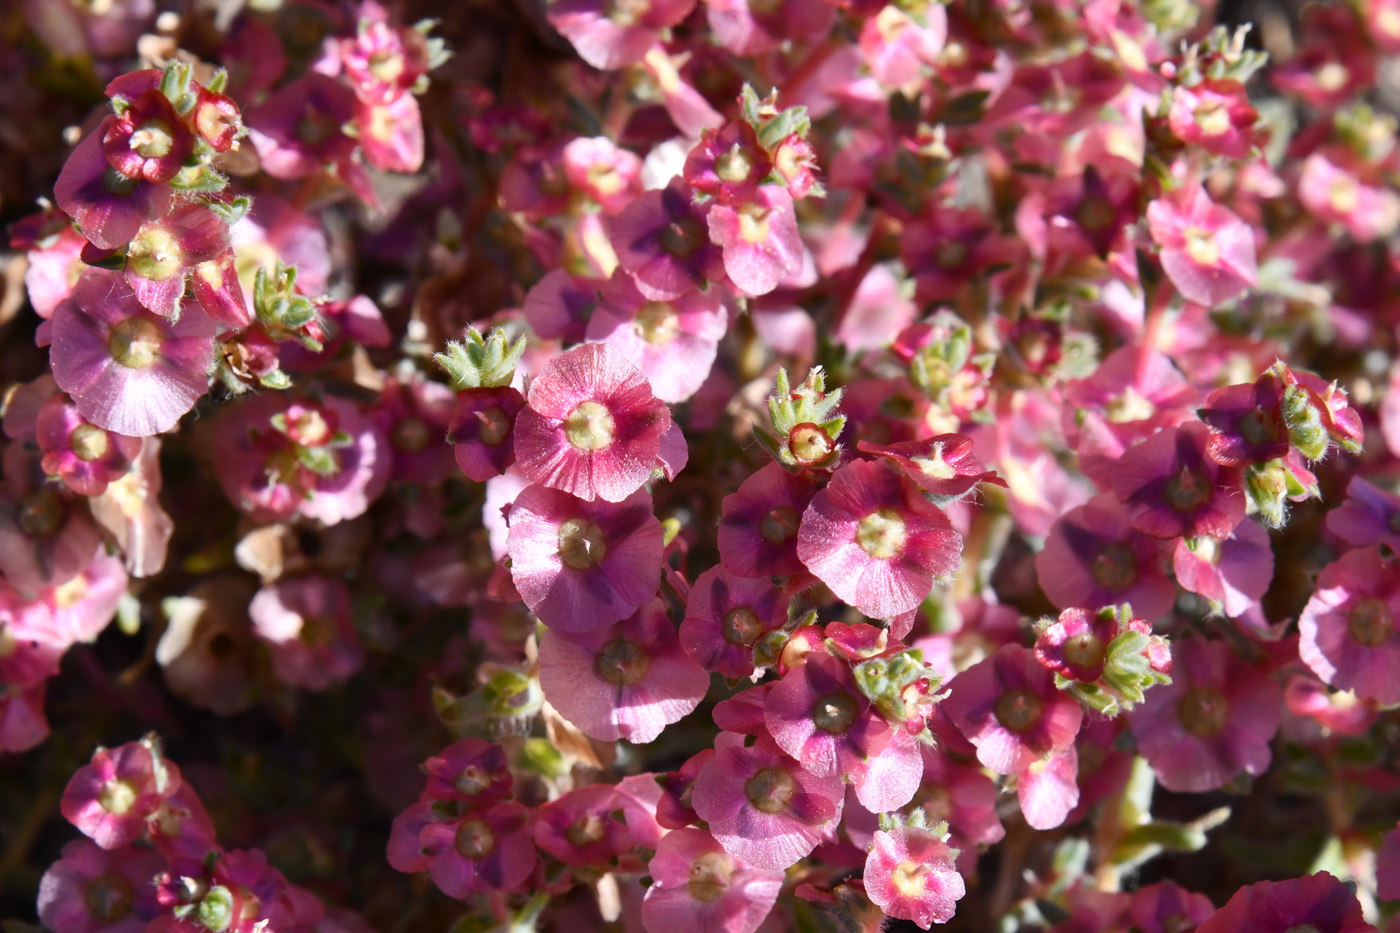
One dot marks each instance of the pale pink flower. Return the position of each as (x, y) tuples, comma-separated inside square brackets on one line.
[(1207, 250), (910, 875), (1348, 633), (306, 624), (77, 451), (759, 237), (726, 615), (92, 890), (697, 887), (758, 530), (1094, 557), (110, 798), (578, 828), (1234, 572)]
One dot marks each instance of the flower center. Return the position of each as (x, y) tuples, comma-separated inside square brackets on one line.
[(604, 178), (1203, 712), (741, 626), (952, 254), (709, 876), (117, 796), (753, 222), (109, 897), (622, 663), (1332, 77), (386, 65), (40, 513), (135, 343), (153, 139), (1258, 427), (809, 444), (1200, 246), (1095, 213), (1130, 406), (882, 534), (657, 323), (474, 839), (1019, 710), (1115, 567), (1212, 116), (311, 429), (410, 435), (589, 427), (910, 879), (89, 442), (835, 712), (472, 781), (1188, 490), (1085, 650), (493, 426), (586, 830), (682, 237), (581, 544), (1343, 196), (770, 790), (781, 523), (155, 254), (1371, 622), (735, 165)]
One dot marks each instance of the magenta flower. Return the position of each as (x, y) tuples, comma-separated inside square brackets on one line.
[(726, 615), (752, 27), (1369, 515), (391, 134), (875, 541), (1318, 902), (92, 890), (581, 565), (470, 770), (297, 128), (414, 413), (728, 163), (110, 798), (305, 622), (1234, 572), (558, 306), (759, 238), (758, 530), (591, 426), (1008, 707), (78, 452), (128, 370), (486, 849), (46, 536), (762, 806), (1349, 636), (606, 173), (1094, 557), (1076, 644), (482, 431), (107, 205), (673, 343), (1048, 789), (1167, 907), (1214, 720), (964, 797), (1334, 194), (697, 887), (910, 875), (164, 251), (578, 828), (31, 643), (1207, 251), (148, 140), (1246, 422), (612, 35), (1173, 489), (897, 47), (1214, 115), (673, 809), (817, 715), (383, 63), (663, 240), (628, 680), (944, 467)]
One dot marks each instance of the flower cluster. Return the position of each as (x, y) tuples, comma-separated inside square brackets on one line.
[(701, 467)]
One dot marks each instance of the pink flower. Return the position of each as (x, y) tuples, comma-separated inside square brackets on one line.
[(761, 805), (110, 798), (108, 206), (910, 875), (817, 715), (673, 343), (759, 238), (591, 426), (382, 62), (751, 27), (897, 47), (1246, 422), (1369, 515), (148, 140), (1172, 489), (727, 163), (297, 128), (578, 828), (1214, 720), (558, 306), (164, 251), (628, 680), (1167, 907), (1334, 194), (1076, 644), (1008, 707), (758, 531), (662, 238), (1319, 902), (22, 722), (1207, 251), (697, 887), (306, 624), (391, 134), (54, 264), (84, 605), (581, 565), (964, 797), (128, 370), (611, 35), (414, 412), (1214, 115), (471, 770), (31, 644), (944, 467), (46, 536), (486, 849), (1349, 635), (92, 890), (725, 617), (875, 541), (1048, 788), (483, 431), (673, 809), (1094, 557), (608, 174), (80, 453), (1234, 572)]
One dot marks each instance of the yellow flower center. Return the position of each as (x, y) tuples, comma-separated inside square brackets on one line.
[(135, 343), (581, 544), (882, 534), (589, 427)]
